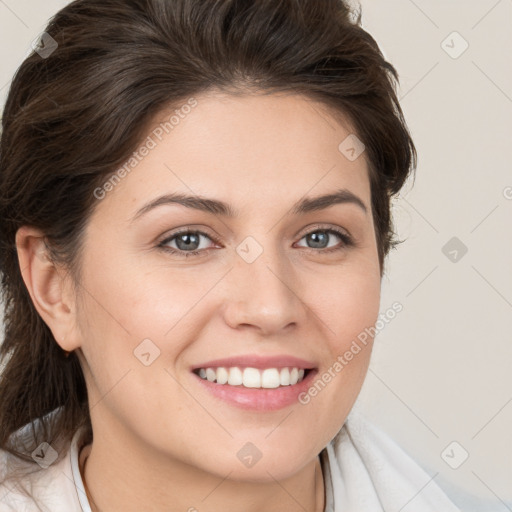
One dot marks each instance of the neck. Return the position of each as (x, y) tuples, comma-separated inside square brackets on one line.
[(132, 488)]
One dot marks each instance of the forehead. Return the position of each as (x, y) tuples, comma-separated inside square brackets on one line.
[(250, 150)]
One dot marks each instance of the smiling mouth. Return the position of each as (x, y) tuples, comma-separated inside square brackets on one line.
[(268, 378)]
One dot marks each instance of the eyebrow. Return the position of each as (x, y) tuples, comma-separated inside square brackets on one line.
[(309, 204)]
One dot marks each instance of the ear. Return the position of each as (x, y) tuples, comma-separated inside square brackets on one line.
[(49, 287)]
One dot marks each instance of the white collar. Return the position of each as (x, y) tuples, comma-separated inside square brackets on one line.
[(77, 443)]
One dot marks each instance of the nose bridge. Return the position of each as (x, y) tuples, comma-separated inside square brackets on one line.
[(260, 293)]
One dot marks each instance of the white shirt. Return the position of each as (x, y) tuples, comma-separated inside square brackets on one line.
[(364, 471)]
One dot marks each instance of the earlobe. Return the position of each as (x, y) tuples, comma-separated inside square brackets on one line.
[(46, 284)]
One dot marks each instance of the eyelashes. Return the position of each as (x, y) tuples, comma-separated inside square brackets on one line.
[(346, 241), (180, 252)]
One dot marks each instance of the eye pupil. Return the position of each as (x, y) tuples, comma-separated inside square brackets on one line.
[(318, 237), (187, 240)]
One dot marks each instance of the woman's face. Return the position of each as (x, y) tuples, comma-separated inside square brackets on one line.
[(269, 281)]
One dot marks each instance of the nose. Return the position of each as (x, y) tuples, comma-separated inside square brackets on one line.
[(263, 294)]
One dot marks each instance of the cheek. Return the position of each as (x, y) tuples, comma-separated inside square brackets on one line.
[(349, 308), (349, 305), (130, 312), (137, 302), (130, 305)]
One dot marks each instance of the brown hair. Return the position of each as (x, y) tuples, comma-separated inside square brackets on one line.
[(76, 115)]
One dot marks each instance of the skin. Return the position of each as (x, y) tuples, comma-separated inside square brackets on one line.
[(160, 440)]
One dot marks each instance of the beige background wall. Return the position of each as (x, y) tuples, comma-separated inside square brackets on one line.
[(441, 370)]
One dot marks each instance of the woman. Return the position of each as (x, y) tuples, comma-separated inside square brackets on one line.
[(195, 216)]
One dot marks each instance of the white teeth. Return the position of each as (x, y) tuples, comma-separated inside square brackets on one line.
[(270, 378), (253, 377), (235, 377), (222, 375)]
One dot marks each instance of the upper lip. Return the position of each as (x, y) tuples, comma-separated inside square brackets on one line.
[(257, 361)]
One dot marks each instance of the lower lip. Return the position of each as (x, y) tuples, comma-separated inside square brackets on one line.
[(259, 399)]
